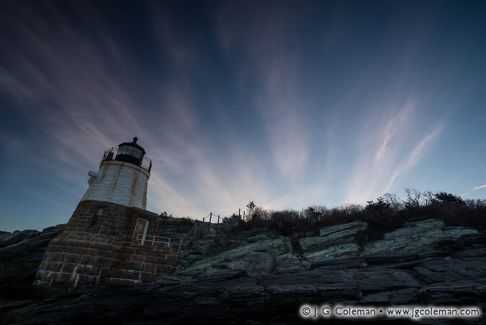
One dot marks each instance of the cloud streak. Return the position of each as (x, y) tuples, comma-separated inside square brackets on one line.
[(388, 146), (474, 189), (284, 104)]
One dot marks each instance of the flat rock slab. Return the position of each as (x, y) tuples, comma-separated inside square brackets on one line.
[(224, 289), (422, 236), (400, 296), (448, 269), (343, 230), (260, 257)]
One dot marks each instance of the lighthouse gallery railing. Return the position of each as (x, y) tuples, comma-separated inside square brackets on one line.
[(111, 154)]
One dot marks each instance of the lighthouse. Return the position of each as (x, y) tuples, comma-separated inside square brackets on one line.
[(110, 237), (122, 177)]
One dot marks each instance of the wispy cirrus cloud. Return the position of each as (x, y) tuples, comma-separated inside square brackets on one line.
[(284, 122), (474, 189), (480, 187), (283, 103), (417, 153), (85, 102), (64, 76), (384, 157), (265, 46)]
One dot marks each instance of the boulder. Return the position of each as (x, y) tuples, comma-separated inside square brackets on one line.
[(237, 285), (463, 292), (20, 260), (332, 252), (215, 243), (344, 230), (413, 229), (334, 242), (449, 269), (421, 236), (201, 249), (289, 262), (221, 298), (11, 238), (260, 257), (379, 280)]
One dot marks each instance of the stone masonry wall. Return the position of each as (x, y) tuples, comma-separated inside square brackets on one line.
[(89, 253)]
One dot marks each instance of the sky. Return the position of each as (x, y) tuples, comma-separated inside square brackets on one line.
[(287, 103)]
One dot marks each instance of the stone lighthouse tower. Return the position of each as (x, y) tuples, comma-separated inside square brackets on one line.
[(110, 237), (122, 177)]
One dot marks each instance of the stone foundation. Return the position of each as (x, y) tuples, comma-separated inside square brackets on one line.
[(96, 250)]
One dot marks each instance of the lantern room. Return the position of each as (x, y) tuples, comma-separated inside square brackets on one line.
[(129, 152)]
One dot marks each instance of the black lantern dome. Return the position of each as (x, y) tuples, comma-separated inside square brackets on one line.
[(130, 152)]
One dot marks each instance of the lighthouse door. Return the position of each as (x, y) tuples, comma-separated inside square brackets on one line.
[(140, 231)]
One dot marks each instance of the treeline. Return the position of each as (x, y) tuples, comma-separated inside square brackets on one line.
[(384, 214)]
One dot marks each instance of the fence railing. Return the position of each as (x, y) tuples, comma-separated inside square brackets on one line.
[(112, 153), (198, 230), (153, 240)]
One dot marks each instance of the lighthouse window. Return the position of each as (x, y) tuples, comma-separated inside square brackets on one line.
[(96, 217), (130, 151)]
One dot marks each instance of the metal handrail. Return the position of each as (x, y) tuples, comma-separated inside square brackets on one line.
[(111, 154), (153, 240)]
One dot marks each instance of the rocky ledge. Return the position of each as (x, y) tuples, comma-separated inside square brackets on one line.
[(20, 255), (266, 277)]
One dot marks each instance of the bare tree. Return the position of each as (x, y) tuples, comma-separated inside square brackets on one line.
[(413, 198), (429, 197), (251, 206), (393, 200)]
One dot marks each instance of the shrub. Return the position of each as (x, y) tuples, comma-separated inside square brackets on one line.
[(383, 215)]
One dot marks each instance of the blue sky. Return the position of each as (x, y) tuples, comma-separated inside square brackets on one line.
[(287, 103)]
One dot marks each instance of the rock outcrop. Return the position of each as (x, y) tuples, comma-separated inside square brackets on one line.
[(11, 238), (266, 278), (421, 236), (20, 256), (456, 276), (257, 258), (174, 228), (334, 242)]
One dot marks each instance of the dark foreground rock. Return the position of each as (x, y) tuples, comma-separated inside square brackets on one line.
[(20, 255), (454, 275), (266, 279)]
